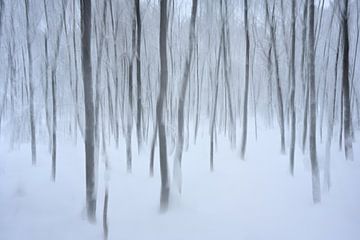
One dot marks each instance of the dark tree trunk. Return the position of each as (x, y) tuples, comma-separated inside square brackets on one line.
[(165, 186), (247, 56), (138, 72), (89, 109), (346, 85)]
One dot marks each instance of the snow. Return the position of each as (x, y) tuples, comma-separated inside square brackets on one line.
[(252, 199)]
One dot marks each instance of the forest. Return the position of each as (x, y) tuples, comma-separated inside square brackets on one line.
[(179, 119)]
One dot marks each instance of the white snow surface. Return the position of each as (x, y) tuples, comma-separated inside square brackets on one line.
[(252, 199)]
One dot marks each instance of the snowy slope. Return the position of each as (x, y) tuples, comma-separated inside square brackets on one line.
[(251, 199)]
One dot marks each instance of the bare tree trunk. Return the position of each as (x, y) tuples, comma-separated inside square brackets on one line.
[(152, 151), (313, 154), (269, 72), (53, 94), (292, 93), (226, 57), (215, 103), (89, 109), (247, 56), (304, 74), (165, 186), (346, 85), (100, 32), (114, 28), (138, 73), (306, 114), (31, 85), (106, 180), (77, 116), (353, 96), (277, 76), (130, 98), (46, 88), (182, 99), (331, 122)]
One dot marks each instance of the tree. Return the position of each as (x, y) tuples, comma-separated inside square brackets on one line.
[(247, 56), (277, 74), (346, 83), (305, 72), (130, 95), (292, 93), (165, 186), (312, 141), (182, 98), (85, 8), (53, 93), (31, 85), (46, 85), (138, 71)]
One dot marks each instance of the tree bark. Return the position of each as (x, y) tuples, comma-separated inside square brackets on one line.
[(89, 109), (346, 85), (138, 72), (313, 154), (292, 93), (246, 94), (165, 186), (31, 85), (182, 99)]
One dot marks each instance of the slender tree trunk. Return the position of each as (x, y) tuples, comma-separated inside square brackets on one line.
[(31, 85), (130, 98), (89, 109), (152, 151), (331, 122), (277, 76), (114, 28), (215, 103), (247, 56), (304, 74), (313, 154), (292, 93), (346, 85), (138, 73), (182, 99), (165, 186), (46, 90), (269, 72), (76, 75)]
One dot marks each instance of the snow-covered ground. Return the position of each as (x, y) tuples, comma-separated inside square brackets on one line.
[(251, 199)]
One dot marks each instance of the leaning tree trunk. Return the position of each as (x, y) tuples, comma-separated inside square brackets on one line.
[(89, 109), (312, 135)]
